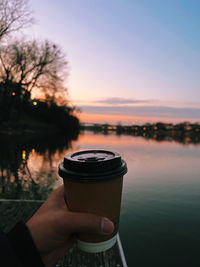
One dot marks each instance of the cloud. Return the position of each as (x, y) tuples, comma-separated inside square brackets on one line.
[(121, 101), (153, 111)]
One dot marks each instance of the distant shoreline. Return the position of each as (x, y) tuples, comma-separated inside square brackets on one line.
[(182, 132)]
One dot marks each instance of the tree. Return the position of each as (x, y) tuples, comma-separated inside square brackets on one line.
[(34, 66), (14, 15)]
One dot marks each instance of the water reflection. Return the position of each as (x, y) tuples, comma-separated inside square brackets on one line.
[(28, 167), (161, 192)]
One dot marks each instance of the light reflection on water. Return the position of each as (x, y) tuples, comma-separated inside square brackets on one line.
[(160, 215)]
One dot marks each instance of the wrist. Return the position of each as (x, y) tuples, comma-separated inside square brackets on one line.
[(21, 241)]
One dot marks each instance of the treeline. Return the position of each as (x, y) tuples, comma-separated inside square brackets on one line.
[(50, 112), (31, 67), (25, 114)]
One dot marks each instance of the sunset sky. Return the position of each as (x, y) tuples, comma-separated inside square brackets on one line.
[(129, 60)]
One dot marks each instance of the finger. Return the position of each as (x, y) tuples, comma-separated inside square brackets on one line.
[(56, 198), (89, 223)]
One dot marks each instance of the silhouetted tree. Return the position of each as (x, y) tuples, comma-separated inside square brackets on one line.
[(34, 65), (14, 15), (30, 69)]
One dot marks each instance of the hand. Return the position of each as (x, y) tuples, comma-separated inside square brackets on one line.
[(53, 227)]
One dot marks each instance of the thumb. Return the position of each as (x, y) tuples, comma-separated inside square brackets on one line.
[(89, 223)]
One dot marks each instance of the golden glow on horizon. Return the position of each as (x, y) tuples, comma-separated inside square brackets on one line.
[(118, 119), (126, 120)]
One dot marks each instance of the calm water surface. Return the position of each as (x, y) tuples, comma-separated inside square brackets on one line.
[(160, 216)]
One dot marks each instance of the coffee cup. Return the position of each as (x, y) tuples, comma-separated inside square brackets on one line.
[(93, 182)]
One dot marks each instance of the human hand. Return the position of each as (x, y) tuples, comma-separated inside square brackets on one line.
[(53, 227)]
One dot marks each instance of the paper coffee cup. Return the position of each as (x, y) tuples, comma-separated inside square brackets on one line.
[(93, 183)]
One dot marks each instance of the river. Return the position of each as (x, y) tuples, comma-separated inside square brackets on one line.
[(160, 213)]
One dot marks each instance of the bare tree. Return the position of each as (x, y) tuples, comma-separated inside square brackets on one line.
[(14, 15), (34, 65)]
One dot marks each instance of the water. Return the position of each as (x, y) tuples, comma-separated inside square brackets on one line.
[(160, 216)]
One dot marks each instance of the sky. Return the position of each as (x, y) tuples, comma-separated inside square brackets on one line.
[(129, 60)]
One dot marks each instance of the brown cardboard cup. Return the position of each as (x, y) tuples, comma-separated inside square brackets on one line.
[(93, 183)]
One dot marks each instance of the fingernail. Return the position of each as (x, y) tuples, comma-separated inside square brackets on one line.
[(107, 227)]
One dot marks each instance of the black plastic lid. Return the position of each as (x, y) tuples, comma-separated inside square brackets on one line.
[(92, 165)]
